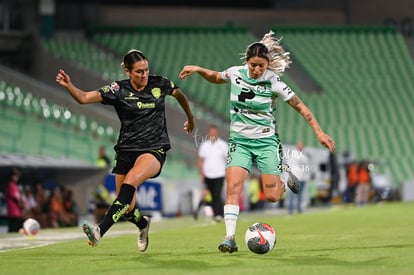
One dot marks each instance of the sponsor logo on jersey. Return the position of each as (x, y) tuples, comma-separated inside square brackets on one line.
[(142, 105), (244, 111), (131, 96), (266, 130)]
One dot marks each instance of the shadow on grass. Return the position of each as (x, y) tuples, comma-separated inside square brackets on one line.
[(187, 261)]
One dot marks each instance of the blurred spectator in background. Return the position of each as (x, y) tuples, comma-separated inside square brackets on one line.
[(58, 214), (205, 204), (299, 162), (103, 160), (211, 164), (103, 200), (69, 204), (334, 175), (312, 189), (14, 201), (352, 181), (30, 204), (41, 197), (364, 184), (257, 198)]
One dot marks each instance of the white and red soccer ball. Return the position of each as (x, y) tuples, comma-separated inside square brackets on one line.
[(31, 227), (260, 238)]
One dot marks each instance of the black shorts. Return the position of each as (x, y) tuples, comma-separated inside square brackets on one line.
[(125, 160)]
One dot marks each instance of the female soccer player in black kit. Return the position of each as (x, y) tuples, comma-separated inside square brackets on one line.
[(143, 139)]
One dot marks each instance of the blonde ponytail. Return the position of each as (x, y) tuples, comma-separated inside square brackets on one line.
[(279, 59)]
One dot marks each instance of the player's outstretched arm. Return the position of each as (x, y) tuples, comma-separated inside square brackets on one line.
[(183, 101), (82, 97), (209, 75), (307, 114)]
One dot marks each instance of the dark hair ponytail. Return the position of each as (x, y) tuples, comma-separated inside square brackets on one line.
[(257, 49), (131, 57)]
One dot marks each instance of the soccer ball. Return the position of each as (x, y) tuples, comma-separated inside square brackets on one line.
[(260, 238), (31, 227)]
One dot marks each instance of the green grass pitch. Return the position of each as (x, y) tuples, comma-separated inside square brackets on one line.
[(377, 239)]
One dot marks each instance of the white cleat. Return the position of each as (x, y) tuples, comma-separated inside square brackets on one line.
[(93, 233), (143, 236)]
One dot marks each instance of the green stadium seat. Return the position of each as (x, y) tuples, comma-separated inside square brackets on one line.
[(32, 125), (208, 47), (365, 76), (364, 73)]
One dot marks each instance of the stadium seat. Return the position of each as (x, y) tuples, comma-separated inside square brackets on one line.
[(364, 74), (209, 47), (32, 125)]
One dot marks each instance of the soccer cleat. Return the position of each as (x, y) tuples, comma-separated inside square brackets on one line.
[(218, 218), (143, 236), (93, 234), (228, 245), (292, 181)]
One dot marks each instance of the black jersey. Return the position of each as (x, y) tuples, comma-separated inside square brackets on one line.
[(142, 114)]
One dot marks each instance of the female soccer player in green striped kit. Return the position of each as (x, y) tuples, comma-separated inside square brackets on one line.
[(255, 86)]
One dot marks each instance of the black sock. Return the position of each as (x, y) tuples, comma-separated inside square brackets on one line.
[(133, 216), (136, 218), (201, 204), (118, 208)]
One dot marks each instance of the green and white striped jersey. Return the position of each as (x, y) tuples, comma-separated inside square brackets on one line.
[(252, 102)]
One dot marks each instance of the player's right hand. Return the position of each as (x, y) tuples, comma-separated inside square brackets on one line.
[(187, 71), (63, 78)]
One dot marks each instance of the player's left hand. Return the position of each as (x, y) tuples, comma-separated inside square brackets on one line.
[(189, 126), (327, 141)]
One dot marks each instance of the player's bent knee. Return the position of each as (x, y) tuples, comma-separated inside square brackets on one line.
[(274, 197), (274, 194)]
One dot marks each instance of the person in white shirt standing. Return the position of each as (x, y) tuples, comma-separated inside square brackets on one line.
[(211, 163)]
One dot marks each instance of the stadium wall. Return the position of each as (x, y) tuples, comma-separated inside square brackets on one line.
[(257, 20), (374, 12)]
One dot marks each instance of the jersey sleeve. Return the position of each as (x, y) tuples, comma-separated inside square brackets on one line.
[(170, 86), (109, 93), (281, 88), (226, 74)]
